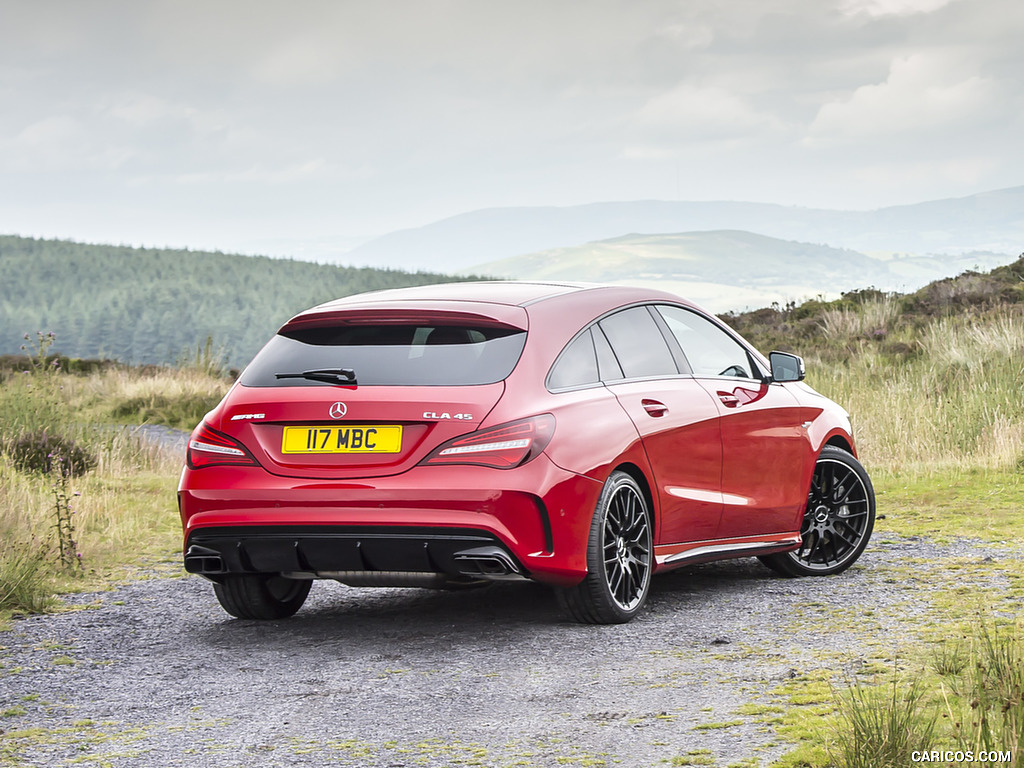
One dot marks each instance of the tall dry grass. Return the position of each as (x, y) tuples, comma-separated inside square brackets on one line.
[(123, 511), (955, 403), (176, 397), (872, 317), (968, 698)]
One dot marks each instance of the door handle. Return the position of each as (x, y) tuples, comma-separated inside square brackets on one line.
[(728, 399), (654, 407)]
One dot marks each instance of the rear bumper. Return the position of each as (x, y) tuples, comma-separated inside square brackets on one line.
[(330, 552), (531, 521)]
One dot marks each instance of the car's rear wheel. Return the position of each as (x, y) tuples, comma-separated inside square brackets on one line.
[(259, 596), (838, 521), (619, 557)]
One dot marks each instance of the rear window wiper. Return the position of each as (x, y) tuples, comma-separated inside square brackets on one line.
[(326, 375)]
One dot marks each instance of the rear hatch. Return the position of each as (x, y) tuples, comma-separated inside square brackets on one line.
[(360, 394)]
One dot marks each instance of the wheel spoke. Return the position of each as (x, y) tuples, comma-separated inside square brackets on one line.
[(853, 486), (836, 556), (816, 547), (615, 580), (852, 531), (850, 515)]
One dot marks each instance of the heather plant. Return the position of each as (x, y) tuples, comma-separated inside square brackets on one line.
[(45, 453)]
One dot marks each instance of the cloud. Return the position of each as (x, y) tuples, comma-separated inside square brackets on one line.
[(59, 144), (923, 93), (878, 8), (260, 173), (140, 109), (688, 113), (365, 117), (300, 60), (924, 174)]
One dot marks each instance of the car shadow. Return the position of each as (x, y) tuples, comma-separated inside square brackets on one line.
[(361, 619)]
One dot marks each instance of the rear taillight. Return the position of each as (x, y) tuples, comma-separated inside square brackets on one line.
[(503, 447), (208, 448)]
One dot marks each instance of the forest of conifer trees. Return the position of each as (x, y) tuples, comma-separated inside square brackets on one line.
[(145, 305)]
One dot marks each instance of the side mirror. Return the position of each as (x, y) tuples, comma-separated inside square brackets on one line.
[(786, 367)]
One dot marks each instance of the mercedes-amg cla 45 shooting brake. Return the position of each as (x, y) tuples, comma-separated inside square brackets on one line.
[(582, 436)]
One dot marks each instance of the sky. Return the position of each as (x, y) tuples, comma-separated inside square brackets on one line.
[(301, 128)]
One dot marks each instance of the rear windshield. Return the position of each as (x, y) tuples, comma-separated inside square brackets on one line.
[(396, 355)]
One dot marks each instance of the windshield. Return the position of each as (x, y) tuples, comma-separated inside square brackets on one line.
[(388, 355)]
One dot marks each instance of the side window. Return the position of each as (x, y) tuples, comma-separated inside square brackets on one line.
[(709, 350), (576, 366), (638, 344)]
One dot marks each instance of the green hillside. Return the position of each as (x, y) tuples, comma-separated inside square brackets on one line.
[(726, 269), (144, 305), (721, 256)]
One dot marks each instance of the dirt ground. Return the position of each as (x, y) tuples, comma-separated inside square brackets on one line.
[(155, 675)]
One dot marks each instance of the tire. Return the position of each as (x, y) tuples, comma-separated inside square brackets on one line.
[(619, 557), (838, 521), (261, 596)]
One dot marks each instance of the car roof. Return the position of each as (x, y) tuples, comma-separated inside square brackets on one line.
[(506, 292), (500, 304), (509, 292)]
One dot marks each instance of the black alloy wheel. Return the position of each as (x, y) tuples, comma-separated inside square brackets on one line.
[(619, 557), (838, 520)]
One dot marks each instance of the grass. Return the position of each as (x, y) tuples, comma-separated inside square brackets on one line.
[(122, 512), (950, 407), (966, 696), (883, 726), (175, 397), (982, 504), (24, 582)]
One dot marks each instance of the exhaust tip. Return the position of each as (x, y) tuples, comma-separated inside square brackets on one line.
[(203, 561), (488, 563)]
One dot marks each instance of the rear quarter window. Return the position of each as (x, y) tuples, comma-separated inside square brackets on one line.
[(576, 366), (389, 355)]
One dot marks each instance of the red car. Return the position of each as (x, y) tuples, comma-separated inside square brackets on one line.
[(581, 436)]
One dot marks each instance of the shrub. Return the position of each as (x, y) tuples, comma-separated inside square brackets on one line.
[(40, 451)]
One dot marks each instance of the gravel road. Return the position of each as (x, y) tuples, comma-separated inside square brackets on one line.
[(153, 674)]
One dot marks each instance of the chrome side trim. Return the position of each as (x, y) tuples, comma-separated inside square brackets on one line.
[(723, 549)]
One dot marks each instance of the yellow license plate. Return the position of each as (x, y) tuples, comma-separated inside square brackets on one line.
[(362, 438)]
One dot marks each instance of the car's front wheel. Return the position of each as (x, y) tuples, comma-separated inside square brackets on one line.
[(838, 521), (261, 596), (619, 557)]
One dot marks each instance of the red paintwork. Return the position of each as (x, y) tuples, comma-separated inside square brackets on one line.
[(725, 461)]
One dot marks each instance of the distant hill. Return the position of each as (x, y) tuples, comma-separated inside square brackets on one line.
[(993, 221), (729, 269), (144, 305)]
